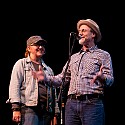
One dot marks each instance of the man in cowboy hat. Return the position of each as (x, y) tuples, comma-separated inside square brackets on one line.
[(92, 24), (89, 70)]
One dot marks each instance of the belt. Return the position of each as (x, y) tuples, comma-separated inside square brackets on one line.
[(85, 97)]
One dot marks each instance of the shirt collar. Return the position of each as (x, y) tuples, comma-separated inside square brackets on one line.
[(89, 49)]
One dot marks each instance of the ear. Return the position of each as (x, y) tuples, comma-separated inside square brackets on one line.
[(28, 49), (93, 35)]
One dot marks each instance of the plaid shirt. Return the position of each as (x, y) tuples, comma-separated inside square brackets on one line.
[(83, 66)]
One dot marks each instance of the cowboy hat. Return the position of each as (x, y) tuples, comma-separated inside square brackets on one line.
[(93, 25)]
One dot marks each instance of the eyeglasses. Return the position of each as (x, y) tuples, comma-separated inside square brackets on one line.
[(84, 30), (38, 44)]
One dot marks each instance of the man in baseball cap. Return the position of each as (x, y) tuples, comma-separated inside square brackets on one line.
[(32, 102), (36, 39)]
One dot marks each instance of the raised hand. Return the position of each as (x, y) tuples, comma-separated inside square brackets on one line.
[(99, 76), (39, 75)]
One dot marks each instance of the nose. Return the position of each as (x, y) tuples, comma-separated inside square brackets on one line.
[(80, 33)]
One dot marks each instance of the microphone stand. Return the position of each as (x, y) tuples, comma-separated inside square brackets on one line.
[(61, 93)]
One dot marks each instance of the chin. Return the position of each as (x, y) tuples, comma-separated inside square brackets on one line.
[(81, 42)]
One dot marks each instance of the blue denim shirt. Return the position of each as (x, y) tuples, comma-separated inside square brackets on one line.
[(23, 87)]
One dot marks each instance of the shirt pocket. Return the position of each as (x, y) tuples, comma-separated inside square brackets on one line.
[(28, 74)]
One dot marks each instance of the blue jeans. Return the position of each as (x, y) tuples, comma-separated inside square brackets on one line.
[(34, 116), (86, 112)]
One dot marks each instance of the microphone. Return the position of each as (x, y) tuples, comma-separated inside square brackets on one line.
[(76, 36)]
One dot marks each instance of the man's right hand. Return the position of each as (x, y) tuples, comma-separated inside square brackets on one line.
[(16, 116)]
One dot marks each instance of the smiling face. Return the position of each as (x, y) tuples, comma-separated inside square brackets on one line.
[(86, 34), (36, 50)]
